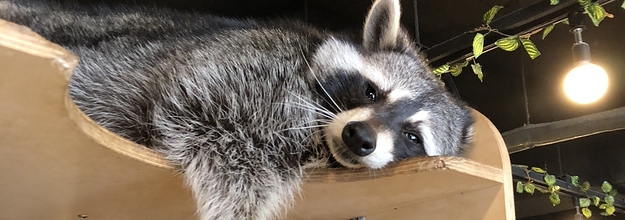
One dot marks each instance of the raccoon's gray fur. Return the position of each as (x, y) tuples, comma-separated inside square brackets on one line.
[(243, 106)]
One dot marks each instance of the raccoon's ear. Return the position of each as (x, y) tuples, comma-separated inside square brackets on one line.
[(382, 29)]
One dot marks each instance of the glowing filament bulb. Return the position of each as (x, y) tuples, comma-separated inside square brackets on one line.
[(586, 83)]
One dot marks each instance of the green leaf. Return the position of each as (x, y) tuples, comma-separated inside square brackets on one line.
[(478, 45), (477, 69), (441, 69), (606, 187), (550, 180), (623, 5), (555, 199), (585, 186), (530, 48), (553, 188), (583, 3), (565, 21), (508, 43), (538, 170), (554, 2), (609, 200), (586, 212), (529, 188), (575, 181), (595, 200), (456, 69), (595, 12), (548, 30), (584, 202), (603, 206), (610, 210), (490, 14), (613, 192), (519, 187)]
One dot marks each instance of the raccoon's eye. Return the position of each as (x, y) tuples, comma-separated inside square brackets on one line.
[(371, 93), (413, 137)]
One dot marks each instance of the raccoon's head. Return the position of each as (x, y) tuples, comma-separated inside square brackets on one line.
[(387, 105)]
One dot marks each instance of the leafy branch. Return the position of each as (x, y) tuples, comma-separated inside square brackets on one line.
[(608, 199), (509, 42), (606, 203), (529, 186)]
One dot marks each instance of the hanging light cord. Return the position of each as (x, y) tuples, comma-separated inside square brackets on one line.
[(527, 109)]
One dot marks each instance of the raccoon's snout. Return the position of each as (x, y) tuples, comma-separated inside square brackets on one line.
[(359, 137)]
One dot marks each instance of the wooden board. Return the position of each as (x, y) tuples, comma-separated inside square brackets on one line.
[(55, 163), (406, 185), (48, 168)]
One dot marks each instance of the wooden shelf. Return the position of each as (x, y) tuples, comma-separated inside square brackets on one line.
[(55, 163), (395, 192)]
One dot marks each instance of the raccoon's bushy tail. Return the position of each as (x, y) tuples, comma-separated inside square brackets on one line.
[(246, 196)]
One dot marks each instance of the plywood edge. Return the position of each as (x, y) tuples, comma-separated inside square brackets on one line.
[(21, 38), (419, 164), (485, 146), (406, 167), (503, 160), (474, 168), (113, 141)]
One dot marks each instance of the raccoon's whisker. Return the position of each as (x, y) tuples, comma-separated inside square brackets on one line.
[(334, 107), (314, 105), (315, 122), (372, 173), (301, 105), (310, 172), (376, 172), (321, 108), (304, 127), (317, 79), (323, 112)]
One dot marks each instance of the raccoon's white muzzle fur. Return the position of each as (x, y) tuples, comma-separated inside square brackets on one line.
[(242, 107)]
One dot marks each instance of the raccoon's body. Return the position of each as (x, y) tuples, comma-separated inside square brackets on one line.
[(243, 106)]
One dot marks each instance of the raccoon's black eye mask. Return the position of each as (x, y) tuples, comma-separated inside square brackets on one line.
[(349, 90)]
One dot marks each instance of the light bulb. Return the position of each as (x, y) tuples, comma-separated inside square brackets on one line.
[(586, 83)]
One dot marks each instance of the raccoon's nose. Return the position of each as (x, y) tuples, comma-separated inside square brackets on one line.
[(359, 138)]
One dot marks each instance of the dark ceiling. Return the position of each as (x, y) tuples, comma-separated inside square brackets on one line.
[(501, 96)]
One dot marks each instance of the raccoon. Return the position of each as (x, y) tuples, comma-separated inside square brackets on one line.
[(242, 107)]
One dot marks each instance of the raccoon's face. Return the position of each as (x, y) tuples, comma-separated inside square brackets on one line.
[(387, 104)]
